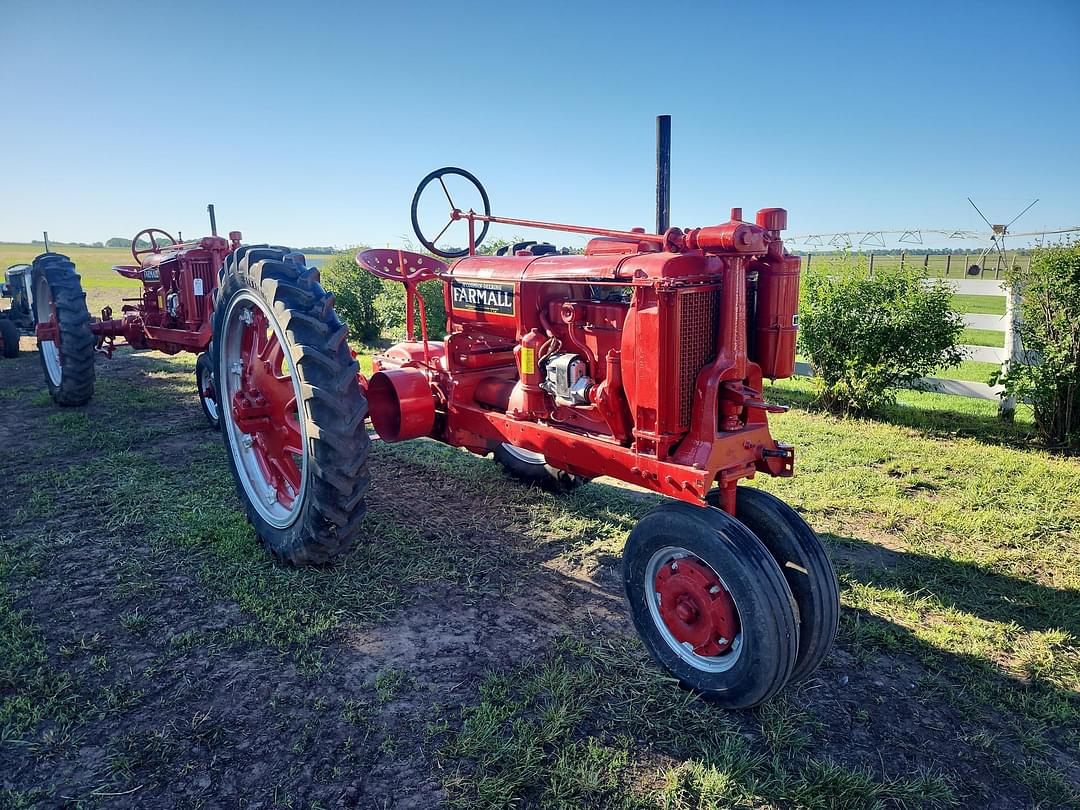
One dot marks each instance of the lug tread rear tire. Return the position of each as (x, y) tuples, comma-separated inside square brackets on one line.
[(76, 340), (334, 408)]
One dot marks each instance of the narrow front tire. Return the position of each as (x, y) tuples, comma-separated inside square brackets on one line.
[(710, 604), (532, 468), (805, 565), (204, 380)]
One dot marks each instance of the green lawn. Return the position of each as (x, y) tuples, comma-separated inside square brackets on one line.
[(970, 370), (982, 337), (935, 267), (956, 541), (979, 304)]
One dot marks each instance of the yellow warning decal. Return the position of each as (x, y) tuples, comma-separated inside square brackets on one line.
[(528, 360)]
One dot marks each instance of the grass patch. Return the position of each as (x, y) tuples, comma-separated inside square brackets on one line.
[(594, 726), (982, 337), (970, 370), (979, 304), (957, 542), (31, 688)]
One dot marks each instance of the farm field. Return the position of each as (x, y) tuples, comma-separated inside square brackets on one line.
[(104, 287), (476, 651)]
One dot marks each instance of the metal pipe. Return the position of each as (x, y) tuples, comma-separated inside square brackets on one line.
[(472, 216), (213, 219), (663, 173)]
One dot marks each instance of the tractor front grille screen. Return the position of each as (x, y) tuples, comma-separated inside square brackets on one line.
[(698, 312)]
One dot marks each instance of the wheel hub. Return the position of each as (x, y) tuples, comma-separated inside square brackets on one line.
[(695, 607)]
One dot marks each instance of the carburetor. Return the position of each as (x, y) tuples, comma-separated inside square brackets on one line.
[(566, 378)]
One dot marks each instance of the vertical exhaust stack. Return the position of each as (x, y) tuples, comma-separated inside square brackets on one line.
[(213, 219), (663, 173)]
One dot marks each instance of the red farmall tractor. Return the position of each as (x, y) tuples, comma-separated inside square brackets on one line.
[(172, 314), (641, 359)]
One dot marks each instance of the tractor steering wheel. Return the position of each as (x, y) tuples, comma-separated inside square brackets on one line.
[(138, 254), (438, 174)]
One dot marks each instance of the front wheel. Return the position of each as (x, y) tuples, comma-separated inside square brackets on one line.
[(291, 411), (532, 468), (204, 380), (806, 567), (67, 353), (711, 604), (9, 338)]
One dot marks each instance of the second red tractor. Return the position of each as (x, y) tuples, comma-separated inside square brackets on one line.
[(172, 313)]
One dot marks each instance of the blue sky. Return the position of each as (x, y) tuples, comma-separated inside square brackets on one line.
[(311, 123)]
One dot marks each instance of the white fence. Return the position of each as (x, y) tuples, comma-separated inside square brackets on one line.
[(1009, 350)]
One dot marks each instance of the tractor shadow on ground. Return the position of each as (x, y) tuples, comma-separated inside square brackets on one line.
[(965, 586)]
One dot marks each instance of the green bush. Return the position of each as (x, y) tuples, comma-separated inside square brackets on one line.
[(390, 308), (354, 292), (373, 308), (866, 336), (1050, 330)]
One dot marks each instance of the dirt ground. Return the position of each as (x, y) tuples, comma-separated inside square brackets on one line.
[(158, 665)]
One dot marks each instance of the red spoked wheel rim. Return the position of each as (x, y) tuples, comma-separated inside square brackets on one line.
[(693, 610), (260, 398), (48, 332)]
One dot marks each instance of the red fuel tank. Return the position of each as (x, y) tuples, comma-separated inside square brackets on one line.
[(777, 320)]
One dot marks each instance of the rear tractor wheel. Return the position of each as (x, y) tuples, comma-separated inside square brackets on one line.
[(67, 355), (710, 604), (9, 338), (204, 379), (805, 565), (532, 468), (291, 411)]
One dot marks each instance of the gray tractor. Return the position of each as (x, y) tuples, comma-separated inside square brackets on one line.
[(19, 318)]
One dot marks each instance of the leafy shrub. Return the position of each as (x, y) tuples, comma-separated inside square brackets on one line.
[(1050, 329), (390, 308), (866, 336), (354, 292), (374, 308)]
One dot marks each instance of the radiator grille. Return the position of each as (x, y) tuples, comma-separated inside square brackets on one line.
[(697, 343), (200, 268)]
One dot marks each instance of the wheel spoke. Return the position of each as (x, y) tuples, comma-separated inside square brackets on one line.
[(447, 193), (273, 354), (435, 241)]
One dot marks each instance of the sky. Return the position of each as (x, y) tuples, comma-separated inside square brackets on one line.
[(311, 123)]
